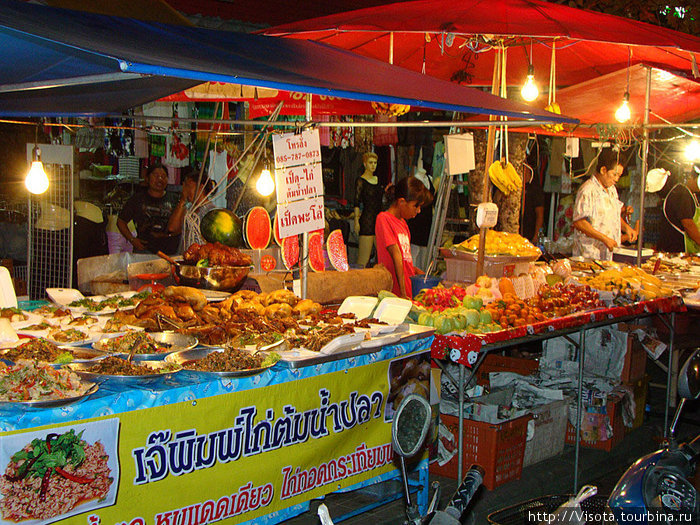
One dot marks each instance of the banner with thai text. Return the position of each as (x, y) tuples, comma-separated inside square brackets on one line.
[(234, 456)]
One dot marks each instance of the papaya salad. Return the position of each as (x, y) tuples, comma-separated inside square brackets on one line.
[(34, 381)]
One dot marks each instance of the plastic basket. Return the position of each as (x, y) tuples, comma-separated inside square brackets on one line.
[(534, 512), (498, 448)]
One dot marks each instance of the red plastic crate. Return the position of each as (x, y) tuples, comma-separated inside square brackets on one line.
[(614, 412), (498, 448), (499, 363)]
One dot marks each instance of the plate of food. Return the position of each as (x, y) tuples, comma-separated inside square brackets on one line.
[(33, 493), (129, 373), (62, 336), (33, 384), (107, 304), (41, 349), (146, 346), (224, 362), (14, 315)]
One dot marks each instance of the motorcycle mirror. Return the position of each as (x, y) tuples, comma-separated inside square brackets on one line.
[(689, 377), (410, 426)]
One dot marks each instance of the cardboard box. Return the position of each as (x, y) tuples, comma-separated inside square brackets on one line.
[(635, 364), (601, 427), (464, 270), (549, 424), (498, 448)]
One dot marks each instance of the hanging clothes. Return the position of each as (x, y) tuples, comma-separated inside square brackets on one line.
[(218, 172)]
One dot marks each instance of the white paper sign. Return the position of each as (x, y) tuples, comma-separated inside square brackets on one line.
[(299, 182), (300, 216), (292, 149), (459, 153)]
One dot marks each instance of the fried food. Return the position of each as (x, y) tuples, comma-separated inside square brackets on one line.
[(194, 297), (215, 254)]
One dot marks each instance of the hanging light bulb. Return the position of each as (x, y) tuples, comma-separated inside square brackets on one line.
[(692, 151), (529, 91), (623, 112), (265, 184), (36, 182)]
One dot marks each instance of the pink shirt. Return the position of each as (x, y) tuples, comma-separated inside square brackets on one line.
[(392, 230)]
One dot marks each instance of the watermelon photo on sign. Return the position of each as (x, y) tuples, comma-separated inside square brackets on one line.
[(258, 229), (317, 261), (290, 251), (337, 253), (222, 225)]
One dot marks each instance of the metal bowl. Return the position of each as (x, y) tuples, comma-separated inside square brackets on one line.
[(223, 278), (174, 341)]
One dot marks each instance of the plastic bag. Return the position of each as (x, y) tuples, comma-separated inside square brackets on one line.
[(570, 513)]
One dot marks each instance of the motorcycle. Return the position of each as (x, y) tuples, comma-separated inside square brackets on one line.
[(655, 488), (657, 485), (408, 432)]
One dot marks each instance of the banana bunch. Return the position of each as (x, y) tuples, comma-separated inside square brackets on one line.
[(629, 281), (553, 108), (505, 178)]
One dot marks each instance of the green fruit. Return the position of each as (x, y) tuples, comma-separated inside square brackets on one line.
[(425, 319), (444, 324), (472, 302), (460, 322), (473, 317), (221, 225), (485, 317)]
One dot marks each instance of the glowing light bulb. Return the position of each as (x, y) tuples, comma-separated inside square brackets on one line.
[(529, 91), (692, 151), (265, 184), (623, 112), (36, 182)]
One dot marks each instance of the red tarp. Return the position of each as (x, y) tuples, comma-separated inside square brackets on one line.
[(438, 37)]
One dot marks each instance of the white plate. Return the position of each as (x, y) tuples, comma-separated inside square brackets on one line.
[(343, 343), (64, 296), (360, 305), (381, 341), (393, 310)]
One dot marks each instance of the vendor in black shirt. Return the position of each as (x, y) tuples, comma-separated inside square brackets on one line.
[(682, 218), (533, 209), (150, 210)]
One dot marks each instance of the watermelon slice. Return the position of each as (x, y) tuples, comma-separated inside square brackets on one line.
[(290, 251), (338, 255), (276, 231), (316, 260), (258, 228)]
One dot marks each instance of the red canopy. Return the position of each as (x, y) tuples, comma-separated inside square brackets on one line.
[(452, 39)]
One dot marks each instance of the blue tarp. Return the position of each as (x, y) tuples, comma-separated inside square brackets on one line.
[(64, 62)]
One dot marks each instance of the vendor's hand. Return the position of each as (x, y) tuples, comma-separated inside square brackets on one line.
[(632, 235), (610, 243), (138, 244)]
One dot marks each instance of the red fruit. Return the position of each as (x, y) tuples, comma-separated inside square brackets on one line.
[(336, 251), (316, 260)]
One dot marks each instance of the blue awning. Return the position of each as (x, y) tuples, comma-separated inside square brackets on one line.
[(63, 62)]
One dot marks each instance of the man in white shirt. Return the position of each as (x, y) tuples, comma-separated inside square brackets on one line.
[(598, 224)]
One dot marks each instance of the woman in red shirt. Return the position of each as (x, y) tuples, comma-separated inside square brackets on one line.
[(392, 234)]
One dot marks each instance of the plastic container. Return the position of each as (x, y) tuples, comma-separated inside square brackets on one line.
[(420, 282), (498, 448)]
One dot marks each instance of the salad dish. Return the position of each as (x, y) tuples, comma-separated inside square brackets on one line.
[(226, 362), (41, 385), (144, 345)]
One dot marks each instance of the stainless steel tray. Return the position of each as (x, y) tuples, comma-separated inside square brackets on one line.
[(175, 341), (82, 370), (51, 403), (187, 356)]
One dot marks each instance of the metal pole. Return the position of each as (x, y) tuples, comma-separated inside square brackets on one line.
[(579, 404), (645, 164), (671, 373), (460, 440), (304, 261)]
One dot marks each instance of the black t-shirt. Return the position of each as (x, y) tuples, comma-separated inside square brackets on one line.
[(678, 205), (534, 198), (151, 215), (419, 226)]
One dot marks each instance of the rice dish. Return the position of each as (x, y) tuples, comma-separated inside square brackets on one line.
[(32, 488)]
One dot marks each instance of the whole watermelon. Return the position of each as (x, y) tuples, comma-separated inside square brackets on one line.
[(222, 225)]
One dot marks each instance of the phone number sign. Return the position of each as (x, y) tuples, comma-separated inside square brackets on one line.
[(299, 182)]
